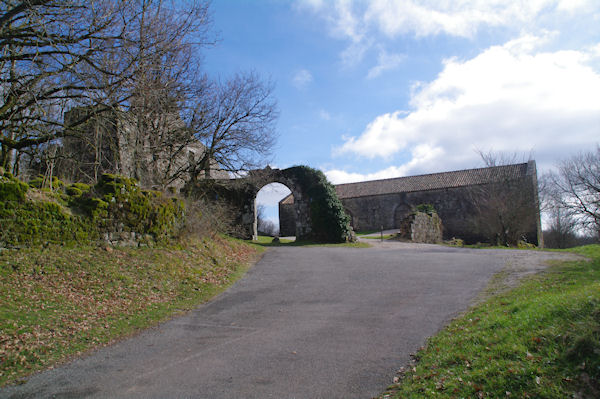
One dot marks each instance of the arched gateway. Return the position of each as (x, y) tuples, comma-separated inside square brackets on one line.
[(318, 212), (256, 180)]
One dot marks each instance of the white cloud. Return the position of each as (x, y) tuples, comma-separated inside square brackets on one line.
[(454, 18), (362, 24), (352, 19), (302, 78), (421, 154), (385, 62), (508, 98)]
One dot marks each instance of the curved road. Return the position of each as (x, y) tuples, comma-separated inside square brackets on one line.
[(303, 323)]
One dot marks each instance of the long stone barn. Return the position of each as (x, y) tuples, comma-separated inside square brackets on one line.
[(458, 198)]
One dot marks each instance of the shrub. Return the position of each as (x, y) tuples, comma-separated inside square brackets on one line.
[(456, 242), (40, 182), (426, 208), (77, 189), (36, 182)]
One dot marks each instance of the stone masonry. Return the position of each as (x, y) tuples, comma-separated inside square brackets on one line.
[(377, 204)]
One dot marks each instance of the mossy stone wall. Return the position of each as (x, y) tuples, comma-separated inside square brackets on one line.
[(79, 213)]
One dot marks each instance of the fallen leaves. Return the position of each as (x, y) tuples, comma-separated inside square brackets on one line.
[(59, 301)]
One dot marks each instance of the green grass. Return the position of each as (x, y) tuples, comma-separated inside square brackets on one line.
[(385, 237), (539, 340), (57, 302), (265, 241)]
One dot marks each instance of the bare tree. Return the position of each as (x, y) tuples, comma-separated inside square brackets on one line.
[(189, 125), (235, 123), (130, 66), (265, 226), (47, 49), (506, 210), (575, 188), (562, 229), (166, 81)]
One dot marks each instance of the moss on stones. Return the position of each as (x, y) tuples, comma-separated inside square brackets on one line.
[(40, 222), (81, 213), (11, 189)]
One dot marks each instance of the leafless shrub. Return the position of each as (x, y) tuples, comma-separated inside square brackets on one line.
[(575, 189), (207, 218)]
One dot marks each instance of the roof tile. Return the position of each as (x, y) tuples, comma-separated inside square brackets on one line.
[(432, 181)]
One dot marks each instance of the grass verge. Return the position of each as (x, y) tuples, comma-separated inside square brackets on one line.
[(58, 302), (539, 340), (266, 241), (385, 237)]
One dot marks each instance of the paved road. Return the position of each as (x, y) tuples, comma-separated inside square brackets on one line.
[(303, 323)]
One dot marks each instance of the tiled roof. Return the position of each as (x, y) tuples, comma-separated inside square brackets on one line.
[(432, 181)]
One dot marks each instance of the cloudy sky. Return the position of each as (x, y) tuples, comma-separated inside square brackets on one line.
[(389, 88)]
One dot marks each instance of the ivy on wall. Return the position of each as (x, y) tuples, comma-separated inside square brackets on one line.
[(329, 221)]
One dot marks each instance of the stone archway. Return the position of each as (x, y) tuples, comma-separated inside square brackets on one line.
[(317, 210), (256, 180)]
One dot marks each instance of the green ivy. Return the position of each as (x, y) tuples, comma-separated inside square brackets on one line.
[(329, 221)]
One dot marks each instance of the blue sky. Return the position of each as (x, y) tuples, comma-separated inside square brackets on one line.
[(380, 89)]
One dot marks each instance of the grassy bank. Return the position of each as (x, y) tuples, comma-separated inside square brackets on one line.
[(539, 340), (57, 302)]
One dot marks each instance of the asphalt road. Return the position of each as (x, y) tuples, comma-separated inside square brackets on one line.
[(303, 323)]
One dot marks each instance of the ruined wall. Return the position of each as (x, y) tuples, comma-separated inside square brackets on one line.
[(389, 210), (454, 206), (422, 227), (113, 142)]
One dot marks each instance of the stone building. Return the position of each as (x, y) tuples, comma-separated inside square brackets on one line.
[(113, 142), (456, 197)]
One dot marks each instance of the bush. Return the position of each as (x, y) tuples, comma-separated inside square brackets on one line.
[(125, 207), (426, 208), (456, 242), (205, 218), (77, 189), (41, 222), (40, 182)]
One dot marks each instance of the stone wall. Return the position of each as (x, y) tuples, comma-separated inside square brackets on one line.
[(287, 218), (422, 227), (389, 210), (113, 142), (454, 206)]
